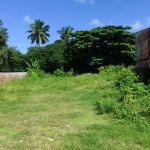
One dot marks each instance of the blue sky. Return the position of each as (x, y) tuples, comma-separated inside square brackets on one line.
[(80, 14)]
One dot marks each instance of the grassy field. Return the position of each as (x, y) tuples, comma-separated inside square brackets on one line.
[(58, 113)]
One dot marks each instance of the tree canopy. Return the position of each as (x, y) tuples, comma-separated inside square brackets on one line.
[(11, 59), (39, 32), (101, 46), (84, 51), (50, 56), (3, 35), (65, 33)]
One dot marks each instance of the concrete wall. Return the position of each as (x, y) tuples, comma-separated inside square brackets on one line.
[(5, 76)]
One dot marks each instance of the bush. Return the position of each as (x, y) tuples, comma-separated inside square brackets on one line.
[(110, 69), (59, 73), (34, 69), (70, 73), (36, 73), (133, 104), (125, 77)]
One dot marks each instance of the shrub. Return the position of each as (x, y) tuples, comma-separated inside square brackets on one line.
[(34, 69), (59, 73), (110, 69), (133, 104), (70, 73), (125, 77)]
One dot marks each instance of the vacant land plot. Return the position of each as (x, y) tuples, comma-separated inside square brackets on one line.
[(56, 113)]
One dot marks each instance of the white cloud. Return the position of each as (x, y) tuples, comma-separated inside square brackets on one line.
[(28, 19), (96, 22), (148, 20), (92, 2), (137, 25)]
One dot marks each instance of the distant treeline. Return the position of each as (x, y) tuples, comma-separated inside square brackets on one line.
[(84, 51)]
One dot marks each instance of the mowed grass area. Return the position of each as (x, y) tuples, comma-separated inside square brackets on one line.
[(58, 113)]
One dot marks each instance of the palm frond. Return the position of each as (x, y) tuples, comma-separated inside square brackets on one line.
[(39, 32)]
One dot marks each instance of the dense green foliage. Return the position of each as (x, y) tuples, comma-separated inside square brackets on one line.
[(3, 46), (11, 60), (82, 51), (39, 32), (133, 103), (50, 56), (101, 46), (65, 33), (3, 35)]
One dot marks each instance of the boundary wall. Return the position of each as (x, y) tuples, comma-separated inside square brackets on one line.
[(5, 76)]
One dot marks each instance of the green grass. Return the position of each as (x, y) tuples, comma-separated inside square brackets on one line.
[(56, 113)]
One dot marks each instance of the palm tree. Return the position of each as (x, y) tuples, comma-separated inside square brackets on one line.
[(65, 33), (39, 32)]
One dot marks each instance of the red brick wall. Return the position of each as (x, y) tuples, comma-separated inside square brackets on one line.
[(144, 48)]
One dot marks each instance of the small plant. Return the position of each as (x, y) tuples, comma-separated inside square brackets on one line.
[(70, 73), (34, 65), (59, 73), (33, 69)]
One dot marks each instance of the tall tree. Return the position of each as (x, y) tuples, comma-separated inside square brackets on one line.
[(65, 33), (106, 45), (11, 59), (50, 56), (3, 35), (39, 32)]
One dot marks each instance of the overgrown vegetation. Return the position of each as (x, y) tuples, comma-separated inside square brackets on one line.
[(84, 51), (133, 103), (59, 113), (58, 110)]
